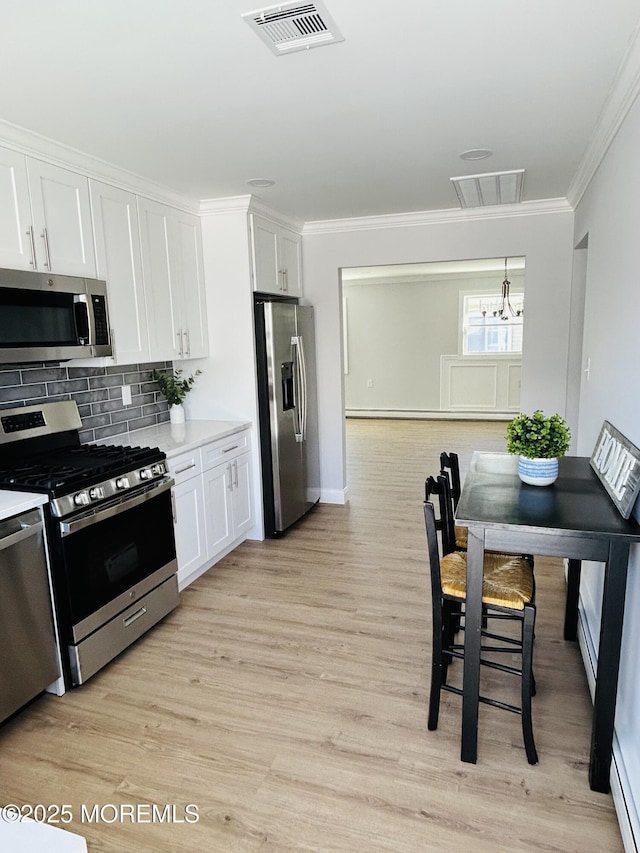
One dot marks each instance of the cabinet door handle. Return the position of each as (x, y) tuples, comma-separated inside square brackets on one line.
[(47, 255), (32, 243), (185, 468), (230, 471), (229, 449), (235, 471), (187, 347), (285, 280), (179, 337)]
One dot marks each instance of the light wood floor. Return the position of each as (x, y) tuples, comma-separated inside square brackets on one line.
[(287, 699)]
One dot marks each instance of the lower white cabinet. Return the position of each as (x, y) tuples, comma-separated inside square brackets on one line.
[(188, 512), (212, 502)]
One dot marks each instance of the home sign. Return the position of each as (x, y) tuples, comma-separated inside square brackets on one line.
[(617, 463)]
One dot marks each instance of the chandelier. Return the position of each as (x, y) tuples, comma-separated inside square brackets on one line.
[(504, 310)]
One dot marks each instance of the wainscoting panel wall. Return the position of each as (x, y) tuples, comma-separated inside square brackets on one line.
[(487, 384)]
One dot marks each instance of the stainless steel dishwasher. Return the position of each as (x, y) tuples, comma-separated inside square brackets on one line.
[(28, 661)]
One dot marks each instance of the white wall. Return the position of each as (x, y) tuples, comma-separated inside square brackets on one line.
[(227, 389), (397, 331), (609, 213), (543, 238)]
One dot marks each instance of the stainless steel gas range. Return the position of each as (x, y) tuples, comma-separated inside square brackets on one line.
[(109, 525)]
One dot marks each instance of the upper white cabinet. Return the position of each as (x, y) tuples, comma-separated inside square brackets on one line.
[(277, 264), (61, 220), (190, 266), (173, 272), (16, 251), (165, 336), (119, 262), (45, 217)]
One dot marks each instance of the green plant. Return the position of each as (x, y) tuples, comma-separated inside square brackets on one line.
[(173, 386), (538, 436)]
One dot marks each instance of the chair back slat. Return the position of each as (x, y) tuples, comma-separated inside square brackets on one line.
[(449, 463), (444, 521)]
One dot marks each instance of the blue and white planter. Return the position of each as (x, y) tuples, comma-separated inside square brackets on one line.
[(538, 472)]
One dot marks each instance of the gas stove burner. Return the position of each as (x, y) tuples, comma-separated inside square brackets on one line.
[(41, 452)]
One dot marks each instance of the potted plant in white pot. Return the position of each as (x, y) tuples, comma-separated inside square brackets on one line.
[(539, 440), (175, 389)]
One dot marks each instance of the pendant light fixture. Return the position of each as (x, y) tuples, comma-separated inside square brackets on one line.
[(504, 309)]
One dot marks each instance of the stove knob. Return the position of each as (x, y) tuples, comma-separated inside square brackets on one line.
[(81, 499), (96, 493), (122, 483), (158, 470), (145, 473)]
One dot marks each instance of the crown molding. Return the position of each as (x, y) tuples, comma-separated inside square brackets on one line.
[(246, 204), (431, 217), (42, 147), (220, 206), (622, 94)]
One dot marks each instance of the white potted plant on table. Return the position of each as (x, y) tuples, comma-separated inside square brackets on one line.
[(539, 440), (174, 388)]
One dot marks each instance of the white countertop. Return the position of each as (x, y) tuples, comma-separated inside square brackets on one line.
[(12, 503), (25, 836), (178, 438)]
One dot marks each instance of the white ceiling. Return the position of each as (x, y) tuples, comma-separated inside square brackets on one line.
[(184, 93)]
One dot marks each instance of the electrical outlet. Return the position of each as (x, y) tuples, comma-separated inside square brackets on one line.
[(126, 395), (369, 383)]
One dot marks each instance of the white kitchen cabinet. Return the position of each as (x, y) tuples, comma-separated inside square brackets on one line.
[(189, 513), (218, 483), (61, 220), (241, 495), (277, 265), (15, 212), (212, 502), (190, 265), (227, 489), (174, 283), (45, 217), (119, 262)]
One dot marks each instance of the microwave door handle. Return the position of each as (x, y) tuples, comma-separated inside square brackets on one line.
[(85, 331)]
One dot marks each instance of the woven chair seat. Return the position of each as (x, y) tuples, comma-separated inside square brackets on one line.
[(462, 535), (507, 581)]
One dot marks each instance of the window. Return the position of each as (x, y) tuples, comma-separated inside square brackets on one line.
[(483, 331)]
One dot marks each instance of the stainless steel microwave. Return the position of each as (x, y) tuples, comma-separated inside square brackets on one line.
[(48, 317)]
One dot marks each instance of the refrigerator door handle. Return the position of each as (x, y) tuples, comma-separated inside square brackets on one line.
[(300, 389)]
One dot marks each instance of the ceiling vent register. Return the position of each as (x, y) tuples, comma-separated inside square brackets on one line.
[(489, 188), (294, 26)]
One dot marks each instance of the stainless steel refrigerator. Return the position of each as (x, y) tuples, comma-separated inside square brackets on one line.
[(286, 364)]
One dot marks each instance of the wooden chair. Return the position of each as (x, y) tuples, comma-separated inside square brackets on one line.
[(450, 466), (508, 594), (457, 534)]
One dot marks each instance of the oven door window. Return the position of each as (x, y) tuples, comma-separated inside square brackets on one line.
[(109, 557)]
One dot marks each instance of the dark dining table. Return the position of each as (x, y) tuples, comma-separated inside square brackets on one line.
[(573, 518)]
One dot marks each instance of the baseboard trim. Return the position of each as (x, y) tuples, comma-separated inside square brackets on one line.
[(433, 415), (621, 793)]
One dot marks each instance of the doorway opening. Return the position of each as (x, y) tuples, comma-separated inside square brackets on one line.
[(429, 341)]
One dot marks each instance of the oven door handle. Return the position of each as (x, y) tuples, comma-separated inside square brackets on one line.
[(67, 528)]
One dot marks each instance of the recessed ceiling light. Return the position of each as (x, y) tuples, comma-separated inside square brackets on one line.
[(476, 154), (260, 182)]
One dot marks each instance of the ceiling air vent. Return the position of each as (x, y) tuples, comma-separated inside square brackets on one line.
[(294, 26), (490, 188)]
